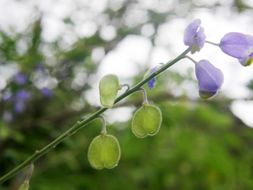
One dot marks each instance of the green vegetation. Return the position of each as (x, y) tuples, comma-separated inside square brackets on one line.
[(200, 145)]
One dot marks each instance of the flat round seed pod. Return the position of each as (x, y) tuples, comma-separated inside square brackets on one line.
[(108, 89), (104, 152), (146, 121)]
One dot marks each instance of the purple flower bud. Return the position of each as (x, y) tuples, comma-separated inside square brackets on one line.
[(20, 78), (239, 46), (194, 36), (209, 78), (152, 82), (47, 92)]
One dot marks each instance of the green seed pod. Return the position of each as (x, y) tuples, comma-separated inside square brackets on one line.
[(24, 185), (146, 121), (104, 152), (108, 89)]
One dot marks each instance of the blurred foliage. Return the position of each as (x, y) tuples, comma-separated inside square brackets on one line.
[(201, 145)]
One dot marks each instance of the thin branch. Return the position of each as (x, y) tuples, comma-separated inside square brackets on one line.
[(212, 43), (191, 59), (82, 123), (103, 130), (145, 96)]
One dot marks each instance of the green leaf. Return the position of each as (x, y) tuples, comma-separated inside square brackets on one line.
[(146, 121), (104, 152), (108, 89)]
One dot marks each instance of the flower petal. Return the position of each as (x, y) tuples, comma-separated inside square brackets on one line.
[(237, 45), (194, 36), (190, 31), (201, 37), (247, 60), (209, 78)]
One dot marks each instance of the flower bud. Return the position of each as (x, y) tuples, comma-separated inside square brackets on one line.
[(209, 78), (152, 82), (108, 89), (146, 121), (104, 152)]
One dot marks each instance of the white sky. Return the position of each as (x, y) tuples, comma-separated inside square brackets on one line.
[(134, 52)]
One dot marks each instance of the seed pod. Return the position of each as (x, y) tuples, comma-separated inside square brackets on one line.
[(104, 152), (24, 185), (108, 89), (146, 121)]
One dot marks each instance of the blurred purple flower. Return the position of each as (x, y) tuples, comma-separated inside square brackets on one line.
[(238, 45), (7, 96), (152, 82), (194, 36), (21, 97), (209, 78), (20, 78), (47, 92), (19, 106)]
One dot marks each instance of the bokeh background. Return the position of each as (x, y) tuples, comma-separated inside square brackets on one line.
[(52, 55)]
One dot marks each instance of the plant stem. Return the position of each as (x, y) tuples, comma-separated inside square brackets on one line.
[(82, 123), (191, 59), (145, 96), (212, 43)]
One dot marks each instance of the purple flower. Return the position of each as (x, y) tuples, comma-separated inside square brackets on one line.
[(152, 82), (21, 98), (19, 106), (47, 92), (23, 95), (20, 78), (209, 78), (239, 46), (194, 36), (7, 96)]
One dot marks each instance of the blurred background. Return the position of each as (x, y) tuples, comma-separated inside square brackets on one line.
[(52, 55)]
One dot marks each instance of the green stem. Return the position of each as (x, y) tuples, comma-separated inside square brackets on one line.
[(212, 43), (191, 59), (82, 123)]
